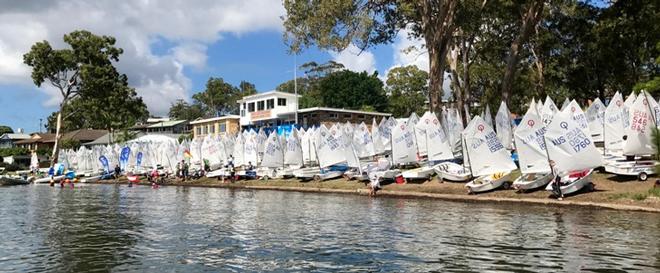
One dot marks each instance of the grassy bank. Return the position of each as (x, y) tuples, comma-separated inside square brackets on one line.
[(611, 191)]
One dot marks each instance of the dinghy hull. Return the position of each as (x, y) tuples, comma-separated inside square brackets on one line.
[(452, 172), (573, 182), (532, 181), (488, 182), (641, 169), (422, 173)]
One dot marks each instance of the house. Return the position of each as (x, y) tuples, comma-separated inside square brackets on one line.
[(270, 108), (37, 141), (216, 126), (8, 140), (274, 108), (163, 126), (47, 141)]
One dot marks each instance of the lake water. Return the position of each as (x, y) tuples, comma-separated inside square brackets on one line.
[(100, 228)]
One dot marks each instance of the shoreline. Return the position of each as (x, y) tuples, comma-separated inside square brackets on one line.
[(439, 191)]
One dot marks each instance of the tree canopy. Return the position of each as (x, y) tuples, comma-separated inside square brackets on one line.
[(217, 99), (5, 130), (94, 93), (407, 87)]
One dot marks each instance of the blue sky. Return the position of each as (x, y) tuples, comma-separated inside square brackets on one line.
[(171, 48)]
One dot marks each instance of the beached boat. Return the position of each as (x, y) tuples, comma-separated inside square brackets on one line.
[(574, 181), (532, 156), (571, 151), (12, 180), (489, 182), (489, 160), (452, 172), (421, 173)]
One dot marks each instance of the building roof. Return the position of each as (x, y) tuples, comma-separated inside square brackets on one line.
[(37, 138), (313, 109), (266, 94), (170, 123), (84, 135), (198, 121), (13, 136)]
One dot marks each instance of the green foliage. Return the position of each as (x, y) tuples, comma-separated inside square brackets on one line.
[(125, 135), (351, 90), (652, 86), (407, 87), (44, 151), (14, 151), (183, 110), (5, 130), (73, 144), (185, 137), (308, 86), (219, 98)]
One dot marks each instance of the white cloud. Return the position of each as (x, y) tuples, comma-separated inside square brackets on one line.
[(410, 51), (354, 60), (189, 25)]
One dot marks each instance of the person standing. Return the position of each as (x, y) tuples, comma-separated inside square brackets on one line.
[(185, 170), (556, 183), (117, 173)]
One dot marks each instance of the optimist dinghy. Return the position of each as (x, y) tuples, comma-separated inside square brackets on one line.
[(452, 172), (488, 158), (531, 152), (638, 144), (572, 150), (437, 146), (574, 181)]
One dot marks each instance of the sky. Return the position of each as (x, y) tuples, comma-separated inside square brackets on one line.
[(171, 48)]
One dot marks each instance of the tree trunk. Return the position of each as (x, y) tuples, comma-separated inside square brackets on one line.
[(540, 85), (529, 21), (56, 147), (436, 78)]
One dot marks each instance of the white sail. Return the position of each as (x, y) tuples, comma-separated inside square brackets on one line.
[(250, 148), (350, 155), (420, 138), (627, 104), (293, 154), (639, 140), (486, 153), (530, 144), (614, 124), (379, 146), (329, 147), (363, 143), (273, 155), (549, 110), (578, 115), (595, 118), (488, 118), (565, 104), (436, 139), (238, 150), (385, 130), (570, 146), (307, 144), (404, 149), (210, 151), (503, 123)]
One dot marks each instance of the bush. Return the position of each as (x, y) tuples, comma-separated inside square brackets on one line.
[(13, 151), (13, 167)]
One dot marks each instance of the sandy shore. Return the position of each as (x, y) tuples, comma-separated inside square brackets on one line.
[(611, 192)]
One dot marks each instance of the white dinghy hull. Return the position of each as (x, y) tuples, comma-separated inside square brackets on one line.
[(642, 169), (452, 172), (532, 181), (421, 173), (574, 184), (488, 182), (47, 179)]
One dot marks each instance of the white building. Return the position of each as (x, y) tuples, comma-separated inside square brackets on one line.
[(268, 109)]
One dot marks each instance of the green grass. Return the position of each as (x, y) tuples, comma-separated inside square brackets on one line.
[(654, 192)]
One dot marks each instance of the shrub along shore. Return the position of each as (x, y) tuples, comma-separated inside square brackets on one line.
[(611, 192)]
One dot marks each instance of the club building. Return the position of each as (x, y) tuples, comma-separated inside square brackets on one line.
[(274, 108)]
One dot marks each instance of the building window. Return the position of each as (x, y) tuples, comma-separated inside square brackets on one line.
[(348, 116), (360, 116), (199, 130), (242, 112), (270, 104), (281, 102), (223, 128), (313, 115), (251, 107), (244, 105), (212, 128), (333, 115), (260, 105), (205, 130)]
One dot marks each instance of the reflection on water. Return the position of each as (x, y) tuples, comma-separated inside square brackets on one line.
[(116, 228)]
